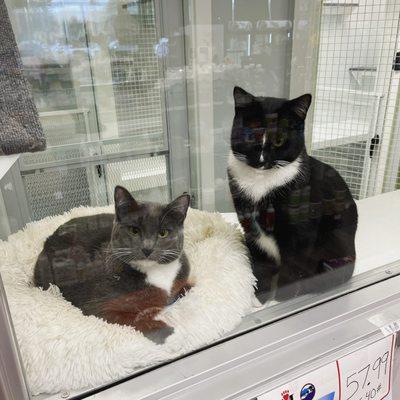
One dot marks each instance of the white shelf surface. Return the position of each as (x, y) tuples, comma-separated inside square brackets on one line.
[(6, 162)]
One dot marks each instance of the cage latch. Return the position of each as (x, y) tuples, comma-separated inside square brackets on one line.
[(99, 170), (373, 145)]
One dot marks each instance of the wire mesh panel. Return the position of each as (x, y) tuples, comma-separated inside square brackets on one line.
[(136, 71), (56, 190), (65, 127), (61, 155), (351, 161), (97, 84), (391, 143), (358, 42), (145, 177), (53, 192)]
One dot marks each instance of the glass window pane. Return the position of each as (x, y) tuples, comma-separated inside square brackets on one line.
[(277, 120)]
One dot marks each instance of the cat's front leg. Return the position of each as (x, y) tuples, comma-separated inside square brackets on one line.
[(244, 208), (137, 309), (143, 321), (155, 330), (265, 269), (159, 335), (140, 309)]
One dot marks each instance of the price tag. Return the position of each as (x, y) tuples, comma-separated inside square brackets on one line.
[(365, 374)]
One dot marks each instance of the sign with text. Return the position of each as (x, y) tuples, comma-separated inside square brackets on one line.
[(365, 374)]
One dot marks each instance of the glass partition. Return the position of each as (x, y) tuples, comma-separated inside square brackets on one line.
[(206, 161)]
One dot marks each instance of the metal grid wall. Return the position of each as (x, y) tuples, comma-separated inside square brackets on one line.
[(136, 72), (146, 177), (391, 144), (351, 162), (61, 155), (53, 192), (56, 190), (65, 127), (354, 80)]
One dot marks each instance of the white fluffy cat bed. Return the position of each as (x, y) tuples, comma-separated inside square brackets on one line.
[(64, 350)]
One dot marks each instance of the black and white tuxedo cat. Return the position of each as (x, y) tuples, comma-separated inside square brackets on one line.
[(297, 213)]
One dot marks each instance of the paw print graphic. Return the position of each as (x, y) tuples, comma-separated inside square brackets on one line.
[(285, 395)]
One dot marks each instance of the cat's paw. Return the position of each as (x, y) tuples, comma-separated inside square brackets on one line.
[(159, 336)]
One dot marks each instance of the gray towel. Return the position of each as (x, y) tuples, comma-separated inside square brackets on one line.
[(20, 129)]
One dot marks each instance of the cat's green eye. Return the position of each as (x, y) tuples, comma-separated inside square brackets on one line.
[(163, 233), (279, 140), (134, 231)]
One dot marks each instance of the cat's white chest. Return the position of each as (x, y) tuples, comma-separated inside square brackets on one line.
[(159, 275), (256, 183)]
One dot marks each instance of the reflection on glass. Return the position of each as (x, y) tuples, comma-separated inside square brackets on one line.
[(142, 101), (92, 67), (96, 79)]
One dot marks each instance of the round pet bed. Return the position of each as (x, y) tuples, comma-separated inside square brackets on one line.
[(64, 350)]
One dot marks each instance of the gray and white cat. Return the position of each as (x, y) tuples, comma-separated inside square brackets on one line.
[(124, 268)]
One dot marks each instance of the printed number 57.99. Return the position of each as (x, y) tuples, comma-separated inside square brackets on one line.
[(367, 381)]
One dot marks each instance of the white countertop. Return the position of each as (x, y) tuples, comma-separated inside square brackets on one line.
[(378, 233)]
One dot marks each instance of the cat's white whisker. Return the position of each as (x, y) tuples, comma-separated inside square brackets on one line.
[(240, 157)]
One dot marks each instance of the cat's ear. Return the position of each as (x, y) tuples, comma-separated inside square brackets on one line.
[(242, 98), (300, 105), (178, 208), (124, 202)]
